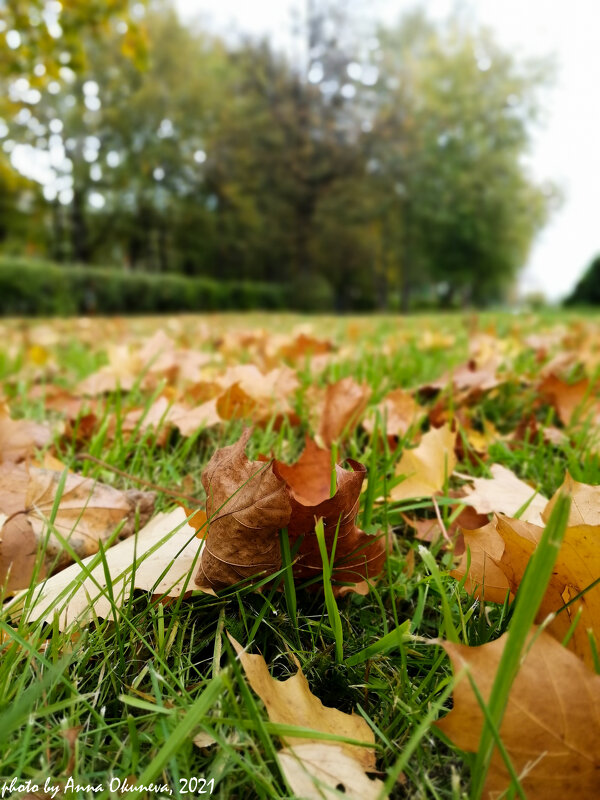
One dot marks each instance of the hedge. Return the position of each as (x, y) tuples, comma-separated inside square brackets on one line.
[(29, 287)]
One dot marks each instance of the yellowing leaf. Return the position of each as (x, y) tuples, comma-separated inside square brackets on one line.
[(576, 568), (427, 466), (551, 727), (306, 761)]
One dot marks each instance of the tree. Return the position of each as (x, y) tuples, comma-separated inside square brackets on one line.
[(451, 129), (587, 290)]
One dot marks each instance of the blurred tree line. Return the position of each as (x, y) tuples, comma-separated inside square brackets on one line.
[(378, 170)]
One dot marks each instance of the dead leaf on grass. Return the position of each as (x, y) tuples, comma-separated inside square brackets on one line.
[(551, 726), (504, 493), (341, 408), (88, 513), (20, 438), (305, 761), (398, 410), (577, 567), (357, 555), (74, 596), (426, 467), (246, 506)]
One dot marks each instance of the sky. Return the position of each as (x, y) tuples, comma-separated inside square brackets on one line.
[(566, 150)]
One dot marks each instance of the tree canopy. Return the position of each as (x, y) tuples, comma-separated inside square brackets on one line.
[(375, 171)]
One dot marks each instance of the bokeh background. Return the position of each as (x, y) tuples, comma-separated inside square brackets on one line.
[(319, 155)]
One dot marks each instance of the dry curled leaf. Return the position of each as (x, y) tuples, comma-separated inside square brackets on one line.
[(88, 513), (246, 506), (551, 726), (357, 555), (307, 762)]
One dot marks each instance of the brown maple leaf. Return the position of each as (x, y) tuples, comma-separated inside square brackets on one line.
[(499, 552), (246, 505), (551, 726), (341, 408), (577, 567), (357, 555)]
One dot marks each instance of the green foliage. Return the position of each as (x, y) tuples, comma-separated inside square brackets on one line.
[(587, 291), (44, 288), (311, 293), (392, 179)]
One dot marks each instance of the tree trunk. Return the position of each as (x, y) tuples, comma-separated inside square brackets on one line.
[(79, 232)]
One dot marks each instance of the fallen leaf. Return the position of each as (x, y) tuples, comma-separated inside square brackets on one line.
[(484, 577), (357, 555), (398, 410), (585, 502), (551, 726), (246, 506), (302, 346), (504, 493), (74, 596), (310, 477), (260, 397), (88, 513), (307, 761), (342, 407), (577, 567), (426, 467), (121, 373), (20, 438), (469, 379), (203, 740), (320, 770), (572, 401)]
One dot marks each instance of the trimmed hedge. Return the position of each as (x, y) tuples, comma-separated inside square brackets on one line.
[(43, 288)]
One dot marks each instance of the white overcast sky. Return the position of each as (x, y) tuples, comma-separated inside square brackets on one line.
[(566, 150)]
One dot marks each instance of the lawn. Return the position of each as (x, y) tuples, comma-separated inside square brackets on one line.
[(150, 689)]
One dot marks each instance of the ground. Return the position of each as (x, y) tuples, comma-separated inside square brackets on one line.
[(127, 699)]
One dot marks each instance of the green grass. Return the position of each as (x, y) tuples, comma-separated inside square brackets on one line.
[(139, 690)]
